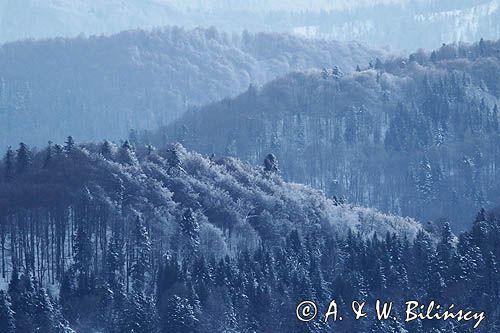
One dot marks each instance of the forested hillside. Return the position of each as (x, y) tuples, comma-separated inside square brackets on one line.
[(416, 136), (102, 87), (103, 187), (400, 24), (122, 239), (100, 238)]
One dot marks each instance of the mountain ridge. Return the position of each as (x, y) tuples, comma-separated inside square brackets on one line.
[(367, 21), (102, 87), (435, 114)]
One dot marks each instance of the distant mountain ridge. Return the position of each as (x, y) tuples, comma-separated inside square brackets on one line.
[(102, 87), (415, 136), (400, 24)]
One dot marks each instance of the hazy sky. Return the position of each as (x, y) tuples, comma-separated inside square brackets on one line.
[(289, 5), (401, 24)]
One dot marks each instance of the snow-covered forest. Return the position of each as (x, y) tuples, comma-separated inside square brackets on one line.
[(100, 237), (398, 24), (416, 136), (101, 87), (209, 166)]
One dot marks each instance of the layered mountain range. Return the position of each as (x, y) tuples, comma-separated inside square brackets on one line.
[(102, 87), (415, 136)]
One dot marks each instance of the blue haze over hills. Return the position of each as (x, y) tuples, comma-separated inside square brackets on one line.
[(170, 178), (399, 24)]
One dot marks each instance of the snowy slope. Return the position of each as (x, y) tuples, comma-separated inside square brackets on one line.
[(230, 195), (417, 136), (101, 87), (402, 24)]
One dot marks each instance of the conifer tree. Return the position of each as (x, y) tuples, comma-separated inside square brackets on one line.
[(421, 262), (479, 229), (491, 278), (22, 292), (271, 164), (433, 56), (190, 230), (48, 156), (106, 150), (7, 323), (58, 150), (44, 313), (23, 159), (127, 154), (82, 258), (69, 144), (140, 315), (445, 251), (150, 149), (174, 159), (9, 164), (115, 260), (201, 278), (141, 255), (482, 47), (179, 316)]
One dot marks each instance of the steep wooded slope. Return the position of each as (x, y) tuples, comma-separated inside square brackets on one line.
[(417, 136), (102, 87)]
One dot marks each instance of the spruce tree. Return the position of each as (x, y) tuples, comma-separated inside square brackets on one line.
[(480, 229), (127, 154), (491, 278), (179, 317), (69, 144), (48, 155), (115, 260), (271, 164), (9, 164), (7, 323), (58, 150), (201, 278), (190, 230), (421, 262), (150, 149), (82, 248), (141, 255), (44, 313), (174, 158), (106, 150), (445, 251), (140, 315), (22, 292), (23, 159)]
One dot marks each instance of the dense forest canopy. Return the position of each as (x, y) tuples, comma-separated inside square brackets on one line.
[(101, 87), (236, 206), (416, 136), (107, 238), (261, 169)]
